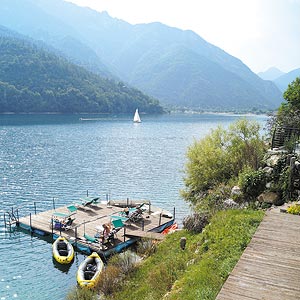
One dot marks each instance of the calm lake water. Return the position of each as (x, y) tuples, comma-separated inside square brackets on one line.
[(58, 156)]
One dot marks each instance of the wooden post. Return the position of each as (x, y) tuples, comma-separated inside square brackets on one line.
[(159, 219), (87, 193), (149, 207), (52, 228), (53, 203), (76, 236), (127, 202), (4, 220), (174, 213), (182, 243), (124, 232), (292, 167), (30, 223), (34, 203), (143, 225)]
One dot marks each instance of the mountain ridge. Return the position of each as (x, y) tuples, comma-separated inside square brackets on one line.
[(284, 80), (128, 50), (271, 74)]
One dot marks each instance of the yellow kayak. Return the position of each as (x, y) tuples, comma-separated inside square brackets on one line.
[(89, 271), (63, 251)]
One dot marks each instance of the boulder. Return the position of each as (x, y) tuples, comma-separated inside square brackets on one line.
[(273, 160), (268, 171), (235, 190), (270, 198), (229, 203)]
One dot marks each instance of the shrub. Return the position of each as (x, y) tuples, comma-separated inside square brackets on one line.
[(213, 201), (146, 247), (81, 294), (294, 209), (196, 222), (221, 156), (109, 281), (125, 261), (252, 182)]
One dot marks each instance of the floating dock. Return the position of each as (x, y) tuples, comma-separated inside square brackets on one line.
[(89, 218)]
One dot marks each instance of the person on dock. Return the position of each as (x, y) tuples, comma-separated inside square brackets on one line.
[(126, 211), (106, 233)]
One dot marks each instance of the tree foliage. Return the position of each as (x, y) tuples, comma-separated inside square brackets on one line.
[(221, 156), (289, 112), (34, 80)]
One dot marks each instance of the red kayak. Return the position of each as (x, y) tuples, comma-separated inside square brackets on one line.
[(170, 229)]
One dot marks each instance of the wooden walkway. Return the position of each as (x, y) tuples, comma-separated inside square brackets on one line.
[(269, 268)]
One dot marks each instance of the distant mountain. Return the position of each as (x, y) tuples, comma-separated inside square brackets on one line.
[(35, 80), (178, 67), (270, 74), (283, 81)]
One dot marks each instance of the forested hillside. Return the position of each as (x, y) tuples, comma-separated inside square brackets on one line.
[(35, 80)]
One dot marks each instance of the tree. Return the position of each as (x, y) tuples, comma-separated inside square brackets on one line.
[(221, 156), (289, 112), (292, 94)]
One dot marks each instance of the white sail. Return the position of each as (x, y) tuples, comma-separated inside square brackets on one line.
[(136, 118)]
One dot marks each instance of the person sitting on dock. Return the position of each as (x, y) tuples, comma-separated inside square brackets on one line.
[(106, 231), (66, 225), (126, 211), (107, 234)]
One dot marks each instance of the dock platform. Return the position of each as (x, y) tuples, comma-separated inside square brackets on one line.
[(269, 268), (88, 220)]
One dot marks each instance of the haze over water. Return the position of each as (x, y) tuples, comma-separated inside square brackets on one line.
[(46, 156)]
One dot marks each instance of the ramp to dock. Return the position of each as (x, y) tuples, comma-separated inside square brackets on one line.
[(270, 266)]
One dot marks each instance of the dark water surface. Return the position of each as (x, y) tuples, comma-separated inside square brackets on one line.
[(60, 156)]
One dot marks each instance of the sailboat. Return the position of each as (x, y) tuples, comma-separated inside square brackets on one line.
[(136, 118)]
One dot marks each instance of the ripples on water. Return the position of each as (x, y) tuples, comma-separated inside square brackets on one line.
[(55, 156)]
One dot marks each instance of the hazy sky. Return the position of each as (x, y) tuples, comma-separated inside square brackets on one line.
[(262, 33)]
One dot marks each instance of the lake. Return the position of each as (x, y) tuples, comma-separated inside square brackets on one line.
[(60, 157)]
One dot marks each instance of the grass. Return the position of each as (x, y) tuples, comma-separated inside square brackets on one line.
[(199, 271)]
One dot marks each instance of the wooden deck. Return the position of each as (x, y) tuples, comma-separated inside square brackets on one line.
[(270, 266), (87, 219)]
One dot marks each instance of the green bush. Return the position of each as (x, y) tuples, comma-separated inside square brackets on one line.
[(219, 157), (252, 182), (125, 261), (196, 222), (110, 280), (81, 294), (146, 247)]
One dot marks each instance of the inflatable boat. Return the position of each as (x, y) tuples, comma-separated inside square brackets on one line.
[(89, 271), (63, 251)]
